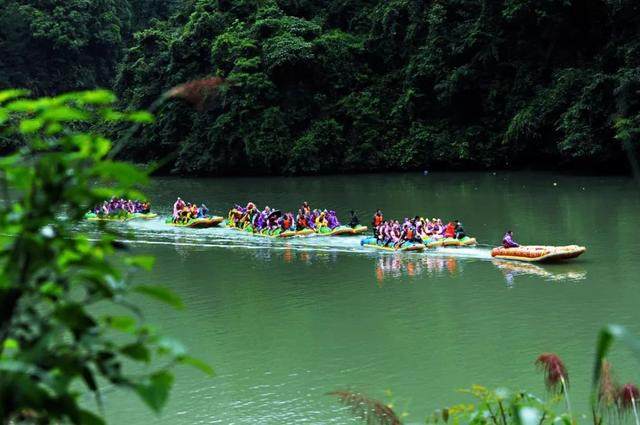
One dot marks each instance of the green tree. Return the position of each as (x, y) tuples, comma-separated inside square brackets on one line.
[(409, 84), (69, 323)]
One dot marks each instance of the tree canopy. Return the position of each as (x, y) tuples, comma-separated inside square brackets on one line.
[(324, 86)]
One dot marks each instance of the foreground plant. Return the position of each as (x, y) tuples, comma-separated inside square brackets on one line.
[(54, 345), (502, 407), (556, 376)]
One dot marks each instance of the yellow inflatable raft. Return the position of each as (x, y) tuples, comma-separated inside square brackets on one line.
[(372, 242), (197, 223), (119, 217), (435, 243), (342, 231)]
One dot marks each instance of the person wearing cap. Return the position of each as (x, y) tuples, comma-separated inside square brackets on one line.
[(459, 230)]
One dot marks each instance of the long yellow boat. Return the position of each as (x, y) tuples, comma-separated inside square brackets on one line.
[(538, 253), (119, 217), (371, 242), (197, 223)]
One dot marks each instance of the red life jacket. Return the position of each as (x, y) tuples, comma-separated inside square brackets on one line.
[(450, 231), (286, 223), (409, 234), (377, 220)]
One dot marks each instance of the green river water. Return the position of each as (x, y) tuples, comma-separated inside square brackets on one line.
[(285, 322)]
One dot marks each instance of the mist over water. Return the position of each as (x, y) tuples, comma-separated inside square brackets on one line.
[(285, 321)]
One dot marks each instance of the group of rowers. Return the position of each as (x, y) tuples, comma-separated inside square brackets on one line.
[(118, 206), (272, 219), (185, 211), (416, 230)]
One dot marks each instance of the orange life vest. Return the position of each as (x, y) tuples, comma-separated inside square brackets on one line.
[(377, 220)]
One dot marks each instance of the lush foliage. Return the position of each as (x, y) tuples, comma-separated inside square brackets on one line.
[(320, 86), (51, 46), (373, 85), (69, 322), (610, 401)]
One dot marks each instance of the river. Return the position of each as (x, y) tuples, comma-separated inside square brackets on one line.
[(285, 322)]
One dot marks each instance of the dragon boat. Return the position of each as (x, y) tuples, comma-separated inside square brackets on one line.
[(371, 242), (341, 231), (538, 253), (277, 233), (197, 223), (435, 243), (119, 217)]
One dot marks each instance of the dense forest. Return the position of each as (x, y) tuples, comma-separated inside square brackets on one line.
[(314, 86)]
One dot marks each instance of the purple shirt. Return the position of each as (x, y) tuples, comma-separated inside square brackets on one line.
[(508, 242)]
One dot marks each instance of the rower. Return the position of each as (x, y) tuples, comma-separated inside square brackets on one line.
[(507, 240), (321, 221), (301, 220), (450, 230)]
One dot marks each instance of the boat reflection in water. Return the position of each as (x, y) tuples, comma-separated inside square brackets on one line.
[(555, 273), (396, 266)]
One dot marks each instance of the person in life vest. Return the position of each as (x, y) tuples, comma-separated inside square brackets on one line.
[(203, 211), (287, 222), (385, 234), (321, 221), (411, 234), (450, 230), (177, 207), (396, 233), (332, 219), (508, 242), (460, 233), (306, 208), (301, 220), (377, 221), (248, 214)]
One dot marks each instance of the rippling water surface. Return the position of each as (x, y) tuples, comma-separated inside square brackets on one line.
[(286, 321)]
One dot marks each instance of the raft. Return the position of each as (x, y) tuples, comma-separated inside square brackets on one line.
[(435, 243), (278, 233), (538, 253), (342, 231), (372, 242), (119, 217), (197, 223)]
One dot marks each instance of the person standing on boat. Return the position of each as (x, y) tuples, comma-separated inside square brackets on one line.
[(354, 222), (460, 233), (377, 221), (306, 208), (507, 240), (177, 207), (203, 211)]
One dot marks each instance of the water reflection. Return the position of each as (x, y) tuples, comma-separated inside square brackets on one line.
[(395, 266), (563, 272)]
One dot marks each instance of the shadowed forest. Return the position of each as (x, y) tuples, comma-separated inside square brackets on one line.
[(324, 86)]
